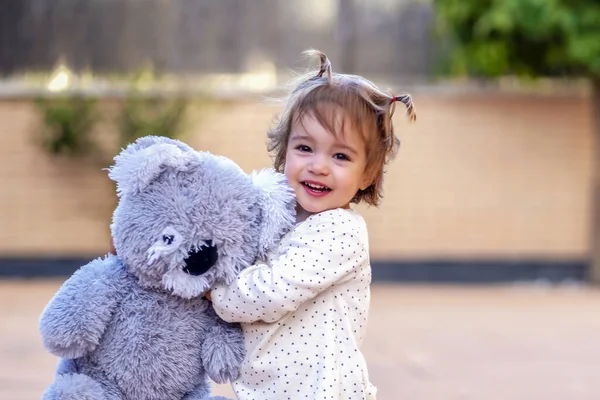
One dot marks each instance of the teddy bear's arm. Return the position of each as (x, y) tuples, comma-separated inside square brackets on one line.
[(75, 319), (223, 349)]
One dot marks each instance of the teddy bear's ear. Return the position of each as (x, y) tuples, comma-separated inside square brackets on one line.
[(145, 159), (147, 141), (278, 206)]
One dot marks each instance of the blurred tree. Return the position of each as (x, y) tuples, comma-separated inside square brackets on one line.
[(490, 38), (68, 122)]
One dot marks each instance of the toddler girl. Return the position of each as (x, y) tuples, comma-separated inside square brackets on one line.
[(304, 310)]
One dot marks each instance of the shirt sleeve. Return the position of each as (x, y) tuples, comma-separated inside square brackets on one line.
[(317, 256)]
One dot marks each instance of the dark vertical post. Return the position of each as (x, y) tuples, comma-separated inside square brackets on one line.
[(346, 34)]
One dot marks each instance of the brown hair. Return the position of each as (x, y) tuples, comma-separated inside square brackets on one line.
[(368, 109)]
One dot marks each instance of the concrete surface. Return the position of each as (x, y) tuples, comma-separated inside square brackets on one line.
[(523, 342)]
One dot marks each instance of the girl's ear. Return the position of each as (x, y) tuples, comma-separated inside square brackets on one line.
[(365, 184), (277, 204), (367, 180)]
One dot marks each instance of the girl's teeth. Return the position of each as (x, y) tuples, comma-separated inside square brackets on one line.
[(316, 187)]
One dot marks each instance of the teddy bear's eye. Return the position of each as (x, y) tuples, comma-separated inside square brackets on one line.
[(168, 239)]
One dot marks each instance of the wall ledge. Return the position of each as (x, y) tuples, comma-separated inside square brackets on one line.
[(468, 271)]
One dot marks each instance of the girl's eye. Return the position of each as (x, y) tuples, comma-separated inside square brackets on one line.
[(341, 156), (303, 148)]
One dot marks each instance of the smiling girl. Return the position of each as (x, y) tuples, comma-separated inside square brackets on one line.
[(304, 310)]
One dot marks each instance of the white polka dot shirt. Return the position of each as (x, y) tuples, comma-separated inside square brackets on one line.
[(304, 313)]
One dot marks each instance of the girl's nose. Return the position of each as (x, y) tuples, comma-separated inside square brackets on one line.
[(319, 165)]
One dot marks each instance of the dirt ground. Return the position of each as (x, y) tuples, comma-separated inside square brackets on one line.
[(524, 342)]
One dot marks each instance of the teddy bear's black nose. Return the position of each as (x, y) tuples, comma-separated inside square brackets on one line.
[(201, 260)]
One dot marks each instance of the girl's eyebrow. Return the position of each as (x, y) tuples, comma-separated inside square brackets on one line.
[(300, 136), (347, 148)]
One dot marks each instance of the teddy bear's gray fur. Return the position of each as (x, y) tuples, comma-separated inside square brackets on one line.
[(136, 326)]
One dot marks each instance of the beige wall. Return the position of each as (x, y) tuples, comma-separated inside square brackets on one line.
[(477, 176)]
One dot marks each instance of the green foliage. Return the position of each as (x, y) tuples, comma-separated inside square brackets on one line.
[(151, 116), (68, 123), (145, 114), (69, 120), (521, 37)]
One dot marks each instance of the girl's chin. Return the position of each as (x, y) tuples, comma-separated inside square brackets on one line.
[(309, 210)]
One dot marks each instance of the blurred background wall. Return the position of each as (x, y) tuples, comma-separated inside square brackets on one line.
[(385, 37), (489, 185)]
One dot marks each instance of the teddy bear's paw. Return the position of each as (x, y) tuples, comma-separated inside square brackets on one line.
[(206, 397), (223, 354), (74, 350), (75, 387), (221, 376), (224, 365)]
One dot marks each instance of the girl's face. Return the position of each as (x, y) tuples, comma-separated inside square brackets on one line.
[(325, 171)]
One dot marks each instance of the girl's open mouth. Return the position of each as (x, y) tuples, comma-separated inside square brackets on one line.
[(316, 189)]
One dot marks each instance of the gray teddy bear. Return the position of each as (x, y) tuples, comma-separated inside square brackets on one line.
[(136, 326)]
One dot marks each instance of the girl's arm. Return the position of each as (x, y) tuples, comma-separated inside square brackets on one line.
[(317, 256)]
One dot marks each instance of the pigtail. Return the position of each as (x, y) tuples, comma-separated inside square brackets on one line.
[(410, 107), (391, 141), (386, 127), (325, 67)]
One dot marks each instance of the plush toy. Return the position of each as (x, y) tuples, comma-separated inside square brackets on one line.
[(136, 326)]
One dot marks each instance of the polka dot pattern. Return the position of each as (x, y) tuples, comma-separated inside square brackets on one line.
[(304, 313)]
